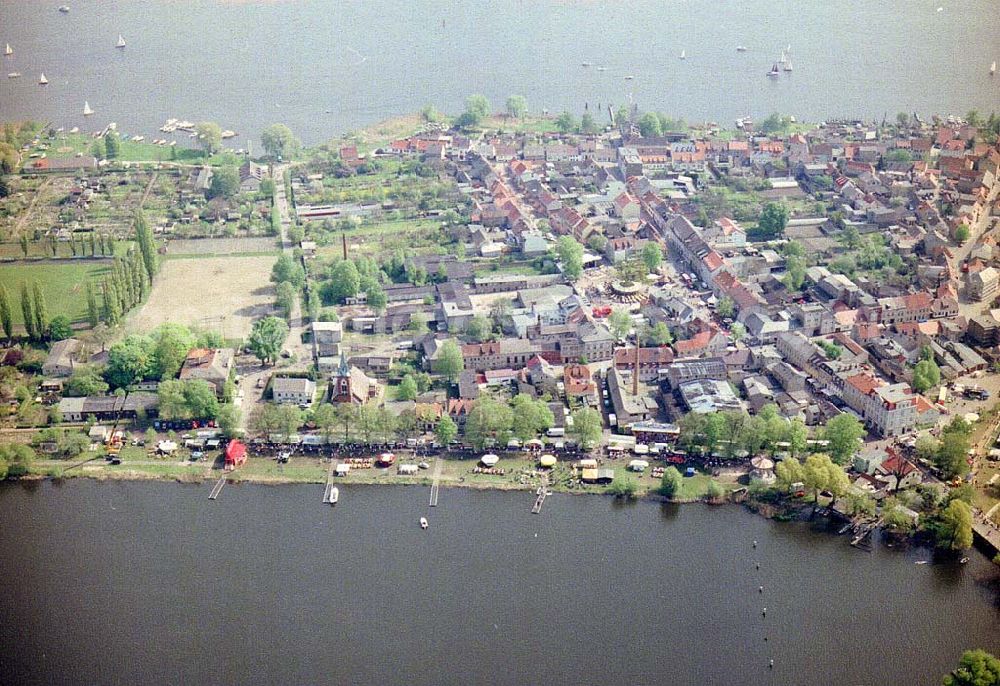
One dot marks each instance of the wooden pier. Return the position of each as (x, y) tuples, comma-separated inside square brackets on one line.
[(329, 481), (862, 530), (436, 483), (542, 491), (217, 489)]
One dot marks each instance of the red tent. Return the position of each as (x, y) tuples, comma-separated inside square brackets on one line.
[(236, 454)]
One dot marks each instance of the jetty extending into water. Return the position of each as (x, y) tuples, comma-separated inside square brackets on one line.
[(328, 491), (436, 483), (217, 488), (542, 491)]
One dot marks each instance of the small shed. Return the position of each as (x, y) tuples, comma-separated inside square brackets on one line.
[(236, 454), (638, 466), (342, 469), (407, 469), (547, 461), (489, 460)]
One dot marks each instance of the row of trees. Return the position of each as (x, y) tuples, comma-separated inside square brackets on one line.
[(734, 433), (34, 313), (289, 277)]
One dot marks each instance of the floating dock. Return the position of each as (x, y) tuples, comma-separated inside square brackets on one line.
[(217, 489)]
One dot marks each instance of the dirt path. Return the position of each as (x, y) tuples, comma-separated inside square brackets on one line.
[(31, 206), (149, 187)]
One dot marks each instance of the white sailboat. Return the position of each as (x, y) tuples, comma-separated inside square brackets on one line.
[(42, 81), (774, 70), (86, 109), (8, 50), (683, 55), (993, 68), (121, 42), (788, 64)]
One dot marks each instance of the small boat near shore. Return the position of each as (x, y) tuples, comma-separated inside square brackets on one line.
[(334, 495), (423, 523), (86, 109)]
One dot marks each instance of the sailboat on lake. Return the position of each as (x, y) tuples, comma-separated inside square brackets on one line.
[(121, 42), (86, 109), (8, 50), (42, 81)]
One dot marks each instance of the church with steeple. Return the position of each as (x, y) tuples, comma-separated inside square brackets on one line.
[(351, 385)]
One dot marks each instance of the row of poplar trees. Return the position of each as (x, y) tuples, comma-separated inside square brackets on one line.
[(33, 309), (123, 288), (130, 278)]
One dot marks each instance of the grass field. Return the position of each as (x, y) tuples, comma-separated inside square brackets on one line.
[(63, 285), (224, 294), (69, 144)]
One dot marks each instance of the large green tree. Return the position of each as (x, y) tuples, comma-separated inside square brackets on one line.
[(266, 338), (773, 220), (445, 431), (570, 253), (531, 417), (279, 142), (844, 433), (343, 282), (41, 311), (517, 106), (171, 343), (450, 362), (225, 183), (976, 668), (489, 422), (129, 360), (209, 135), (926, 375), (953, 528), (6, 314), (587, 427)]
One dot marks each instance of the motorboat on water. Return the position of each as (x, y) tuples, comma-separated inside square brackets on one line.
[(14, 75), (64, 9), (423, 523), (741, 48)]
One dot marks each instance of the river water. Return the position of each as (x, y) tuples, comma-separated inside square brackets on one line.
[(324, 67), (152, 583)]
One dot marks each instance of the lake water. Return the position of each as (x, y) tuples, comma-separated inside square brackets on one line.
[(325, 67), (152, 583)]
